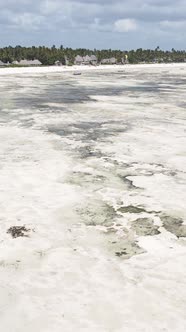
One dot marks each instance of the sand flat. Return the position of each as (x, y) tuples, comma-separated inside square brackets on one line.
[(92, 199)]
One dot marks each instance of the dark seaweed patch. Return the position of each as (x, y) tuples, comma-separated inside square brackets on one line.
[(18, 231), (135, 209), (174, 225), (121, 253), (131, 209)]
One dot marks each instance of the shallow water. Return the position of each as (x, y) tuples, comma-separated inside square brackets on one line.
[(95, 167)]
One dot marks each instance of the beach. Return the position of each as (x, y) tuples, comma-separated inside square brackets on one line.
[(82, 68), (92, 199)]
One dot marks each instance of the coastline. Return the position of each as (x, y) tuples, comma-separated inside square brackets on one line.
[(64, 69)]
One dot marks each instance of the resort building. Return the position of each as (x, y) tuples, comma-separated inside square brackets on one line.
[(28, 62), (86, 60)]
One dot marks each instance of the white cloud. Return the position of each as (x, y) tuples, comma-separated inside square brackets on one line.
[(28, 21), (125, 25)]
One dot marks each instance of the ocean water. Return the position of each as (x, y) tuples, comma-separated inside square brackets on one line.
[(94, 166)]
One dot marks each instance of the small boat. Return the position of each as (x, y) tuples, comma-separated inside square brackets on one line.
[(77, 73)]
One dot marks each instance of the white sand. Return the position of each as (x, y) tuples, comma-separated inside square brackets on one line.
[(65, 276), (58, 69)]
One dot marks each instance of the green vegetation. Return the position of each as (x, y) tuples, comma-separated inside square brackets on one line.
[(48, 56)]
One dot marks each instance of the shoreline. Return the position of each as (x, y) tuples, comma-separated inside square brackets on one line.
[(64, 69)]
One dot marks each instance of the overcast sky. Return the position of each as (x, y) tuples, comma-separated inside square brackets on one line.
[(117, 24)]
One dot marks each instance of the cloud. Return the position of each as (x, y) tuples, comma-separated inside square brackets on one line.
[(125, 25), (27, 21), (94, 23), (173, 24)]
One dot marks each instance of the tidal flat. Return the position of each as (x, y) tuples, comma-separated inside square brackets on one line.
[(93, 200)]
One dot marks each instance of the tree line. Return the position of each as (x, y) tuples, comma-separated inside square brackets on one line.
[(48, 55)]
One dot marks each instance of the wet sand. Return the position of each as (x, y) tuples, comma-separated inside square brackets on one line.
[(92, 199)]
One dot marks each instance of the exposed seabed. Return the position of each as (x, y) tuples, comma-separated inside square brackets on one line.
[(92, 200)]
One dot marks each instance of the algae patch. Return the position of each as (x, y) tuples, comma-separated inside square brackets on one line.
[(174, 225), (97, 214), (131, 209), (126, 248), (145, 227)]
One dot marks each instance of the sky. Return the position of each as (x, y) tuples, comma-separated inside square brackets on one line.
[(100, 24)]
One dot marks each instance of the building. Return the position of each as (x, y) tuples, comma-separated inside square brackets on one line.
[(85, 60), (110, 61), (93, 59), (78, 60), (29, 62)]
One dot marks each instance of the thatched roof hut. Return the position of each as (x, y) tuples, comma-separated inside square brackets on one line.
[(78, 60), (93, 59), (30, 62), (86, 60)]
